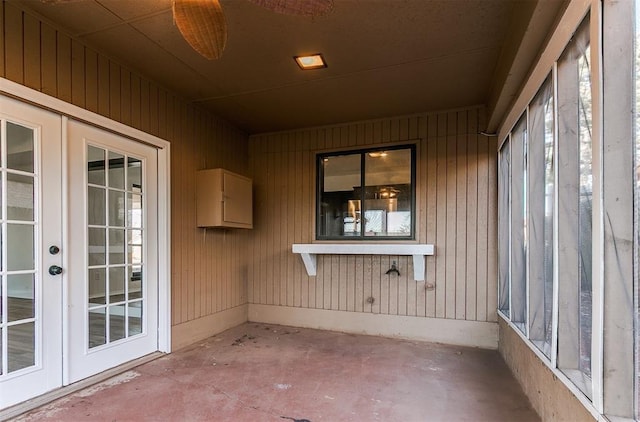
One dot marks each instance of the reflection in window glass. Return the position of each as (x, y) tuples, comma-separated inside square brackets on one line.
[(388, 193), (339, 208), (20, 146), (383, 208)]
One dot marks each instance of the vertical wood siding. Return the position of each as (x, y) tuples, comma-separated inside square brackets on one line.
[(208, 266), (456, 199)]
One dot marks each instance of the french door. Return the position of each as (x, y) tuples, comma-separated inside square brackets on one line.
[(78, 261), (30, 224), (113, 288)]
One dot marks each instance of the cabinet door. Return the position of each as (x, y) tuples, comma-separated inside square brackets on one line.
[(237, 200)]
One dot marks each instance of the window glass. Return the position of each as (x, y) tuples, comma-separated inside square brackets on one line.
[(383, 208), (388, 193), (339, 201)]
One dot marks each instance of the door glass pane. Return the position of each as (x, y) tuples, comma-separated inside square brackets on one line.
[(134, 175), (116, 246), (134, 245), (116, 170), (97, 247), (20, 297), (134, 277), (95, 165), (19, 197), (117, 320), (97, 206), (97, 286), (97, 327), (116, 208), (21, 346), (20, 250), (134, 211), (135, 318), (388, 193), (116, 284), (20, 143)]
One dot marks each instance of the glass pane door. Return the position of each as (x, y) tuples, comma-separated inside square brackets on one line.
[(113, 272), (30, 223)]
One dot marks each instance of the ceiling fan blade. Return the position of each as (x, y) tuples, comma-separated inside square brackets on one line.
[(203, 26), (297, 7)]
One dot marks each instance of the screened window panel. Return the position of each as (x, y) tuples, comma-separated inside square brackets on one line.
[(518, 223), (541, 185), (504, 234), (636, 199), (575, 211)]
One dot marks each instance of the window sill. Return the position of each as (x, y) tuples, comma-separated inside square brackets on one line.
[(308, 252)]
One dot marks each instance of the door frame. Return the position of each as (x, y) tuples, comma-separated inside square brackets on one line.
[(70, 111)]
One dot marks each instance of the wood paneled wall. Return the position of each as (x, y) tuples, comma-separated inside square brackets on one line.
[(208, 266), (456, 201)]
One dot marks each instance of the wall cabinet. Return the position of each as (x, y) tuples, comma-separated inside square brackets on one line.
[(224, 199)]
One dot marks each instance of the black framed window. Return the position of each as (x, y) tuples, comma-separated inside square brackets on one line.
[(366, 194)]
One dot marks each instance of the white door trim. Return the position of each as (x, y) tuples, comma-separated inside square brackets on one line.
[(67, 110)]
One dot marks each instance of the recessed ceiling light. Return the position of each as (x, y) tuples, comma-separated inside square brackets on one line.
[(313, 61)]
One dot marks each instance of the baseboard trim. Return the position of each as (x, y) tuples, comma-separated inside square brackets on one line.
[(187, 333), (449, 331)]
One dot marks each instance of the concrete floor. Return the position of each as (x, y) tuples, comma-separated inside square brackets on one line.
[(259, 372)]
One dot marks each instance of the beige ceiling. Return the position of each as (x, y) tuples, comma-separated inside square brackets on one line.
[(385, 57)]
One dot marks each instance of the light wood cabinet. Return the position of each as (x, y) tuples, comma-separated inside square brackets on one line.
[(224, 199)]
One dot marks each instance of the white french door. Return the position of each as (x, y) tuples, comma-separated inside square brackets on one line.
[(31, 244), (113, 276), (78, 251)]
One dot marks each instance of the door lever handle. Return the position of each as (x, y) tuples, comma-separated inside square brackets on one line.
[(55, 270)]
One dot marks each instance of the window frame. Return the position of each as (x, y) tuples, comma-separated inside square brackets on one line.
[(319, 186)]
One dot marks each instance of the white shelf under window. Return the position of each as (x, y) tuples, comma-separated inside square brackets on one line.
[(308, 252)]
